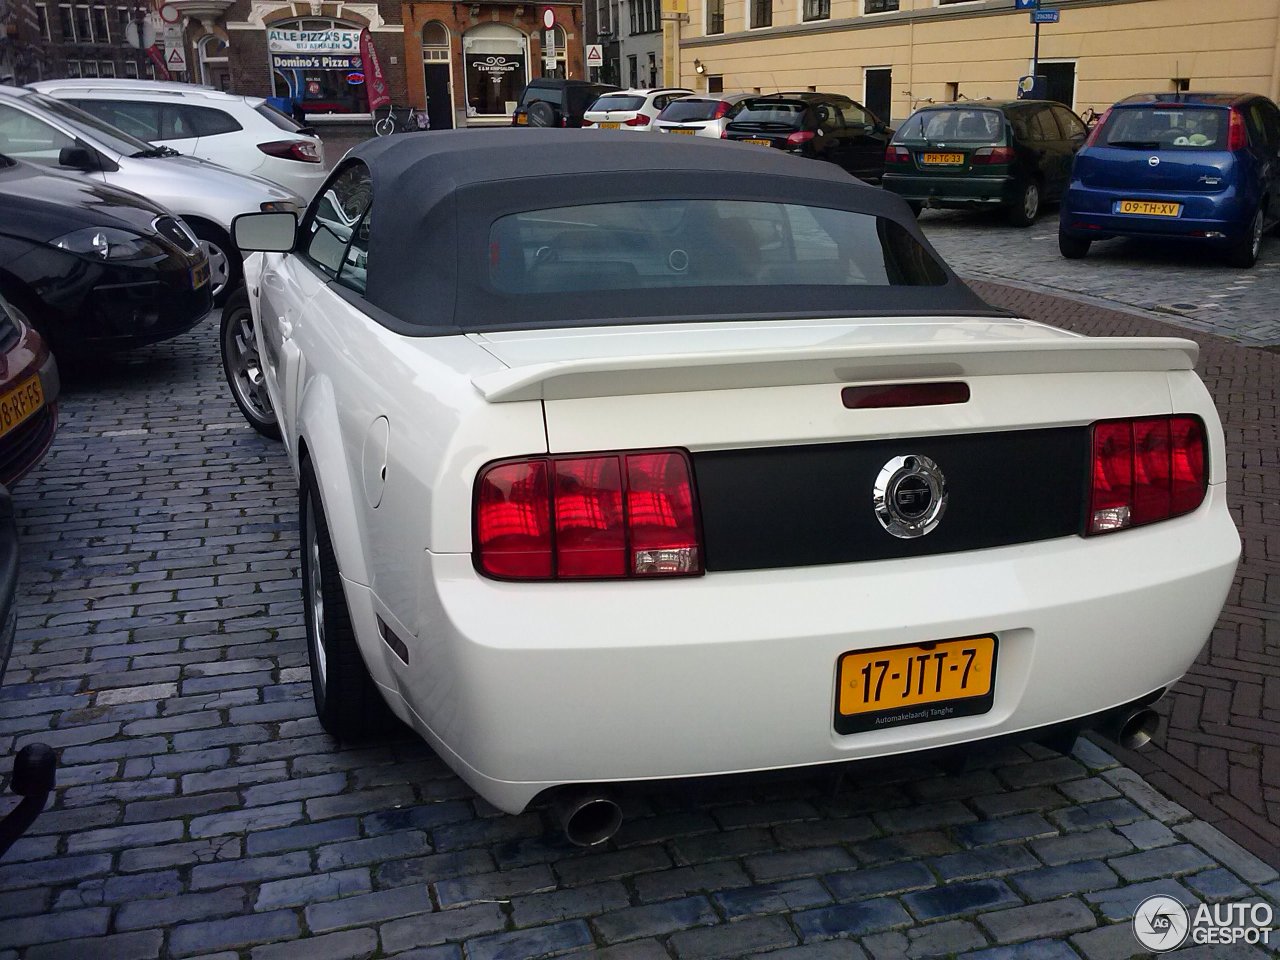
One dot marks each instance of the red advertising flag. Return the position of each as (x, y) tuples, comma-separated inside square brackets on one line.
[(375, 80), (157, 58)]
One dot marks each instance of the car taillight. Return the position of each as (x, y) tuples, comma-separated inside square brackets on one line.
[(991, 155), (722, 110), (303, 150), (1145, 470), (1096, 132), (724, 134), (592, 517), (799, 138), (1237, 137), (588, 123), (639, 120), (894, 154)]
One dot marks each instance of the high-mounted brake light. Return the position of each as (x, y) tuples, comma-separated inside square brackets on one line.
[(303, 150), (588, 517), (1145, 470)]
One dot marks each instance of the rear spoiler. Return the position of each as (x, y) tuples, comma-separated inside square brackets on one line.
[(870, 363)]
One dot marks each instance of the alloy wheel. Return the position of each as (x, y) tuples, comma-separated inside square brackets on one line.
[(1031, 201), (315, 593), (1256, 234), (219, 266), (245, 366)]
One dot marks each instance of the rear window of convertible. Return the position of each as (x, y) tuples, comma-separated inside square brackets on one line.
[(690, 244)]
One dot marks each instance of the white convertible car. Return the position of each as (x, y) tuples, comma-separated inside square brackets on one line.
[(625, 461)]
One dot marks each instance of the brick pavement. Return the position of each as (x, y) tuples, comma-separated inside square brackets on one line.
[(202, 812)]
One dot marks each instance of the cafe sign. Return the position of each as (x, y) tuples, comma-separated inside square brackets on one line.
[(314, 41)]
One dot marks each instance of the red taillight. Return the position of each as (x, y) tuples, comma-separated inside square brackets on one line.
[(724, 134), (722, 110), (609, 516), (303, 150), (1145, 470), (1237, 136), (991, 155), (587, 123), (1096, 132), (894, 154), (639, 120), (799, 138)]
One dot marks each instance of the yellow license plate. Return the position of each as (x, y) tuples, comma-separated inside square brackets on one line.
[(682, 131), (1148, 208), (762, 143), (19, 403), (521, 120), (608, 126), (199, 275), (942, 158), (877, 689)]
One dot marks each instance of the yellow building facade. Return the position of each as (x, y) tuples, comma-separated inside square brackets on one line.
[(936, 50)]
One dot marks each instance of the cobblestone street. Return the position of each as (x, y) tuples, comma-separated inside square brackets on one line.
[(201, 811)]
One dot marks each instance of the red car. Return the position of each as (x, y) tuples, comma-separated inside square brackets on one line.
[(28, 396)]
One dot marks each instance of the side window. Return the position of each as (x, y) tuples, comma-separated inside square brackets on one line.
[(1043, 127), (175, 124), (830, 119), (355, 265), (142, 120), (1021, 129), (855, 116), (209, 122), (1271, 123), (333, 217), (26, 138), (1069, 123)]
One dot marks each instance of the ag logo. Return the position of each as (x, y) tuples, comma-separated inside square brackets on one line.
[(1161, 923)]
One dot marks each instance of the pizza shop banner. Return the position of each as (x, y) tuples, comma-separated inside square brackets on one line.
[(314, 41)]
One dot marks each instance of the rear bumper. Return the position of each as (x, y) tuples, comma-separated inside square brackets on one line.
[(952, 192), (524, 687), (26, 444), (1088, 213)]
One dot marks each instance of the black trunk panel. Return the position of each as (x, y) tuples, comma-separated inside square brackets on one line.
[(812, 504)]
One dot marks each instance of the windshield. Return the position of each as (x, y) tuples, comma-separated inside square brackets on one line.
[(113, 138), (665, 244), (959, 126), (1177, 127), (288, 124), (680, 110), (616, 101)]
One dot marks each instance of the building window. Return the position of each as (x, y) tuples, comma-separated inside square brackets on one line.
[(73, 68), (84, 26), (879, 6), (495, 63), (317, 69), (761, 13), (715, 16), (101, 33), (88, 68), (131, 69), (817, 9), (715, 84), (633, 72), (653, 70), (42, 21), (66, 24), (645, 16), (106, 68)]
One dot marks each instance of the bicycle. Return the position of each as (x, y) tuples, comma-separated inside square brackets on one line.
[(385, 126), (412, 122), (1090, 117)]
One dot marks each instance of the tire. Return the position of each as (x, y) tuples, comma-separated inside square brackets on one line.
[(1073, 248), (1027, 207), (242, 366), (1243, 254), (347, 701), (225, 268)]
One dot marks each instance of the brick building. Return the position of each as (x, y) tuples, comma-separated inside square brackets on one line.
[(48, 39)]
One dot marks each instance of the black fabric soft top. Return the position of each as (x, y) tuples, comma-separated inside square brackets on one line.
[(436, 194)]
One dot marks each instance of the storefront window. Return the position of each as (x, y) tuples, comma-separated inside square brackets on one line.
[(317, 63), (496, 60)]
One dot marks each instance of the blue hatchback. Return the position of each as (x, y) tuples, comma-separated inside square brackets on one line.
[(1201, 167)]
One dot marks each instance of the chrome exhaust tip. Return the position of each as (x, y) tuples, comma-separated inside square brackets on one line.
[(586, 817), (1136, 730)]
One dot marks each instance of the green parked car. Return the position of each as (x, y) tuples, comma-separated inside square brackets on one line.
[(982, 154)]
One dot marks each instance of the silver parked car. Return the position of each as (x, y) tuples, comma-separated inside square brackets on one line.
[(55, 134)]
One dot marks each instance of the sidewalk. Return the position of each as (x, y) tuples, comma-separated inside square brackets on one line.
[(1219, 752)]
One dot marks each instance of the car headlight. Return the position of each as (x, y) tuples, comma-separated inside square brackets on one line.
[(281, 206), (110, 243)]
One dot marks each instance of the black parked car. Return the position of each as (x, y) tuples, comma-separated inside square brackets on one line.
[(1015, 155), (94, 267), (822, 126), (548, 102)]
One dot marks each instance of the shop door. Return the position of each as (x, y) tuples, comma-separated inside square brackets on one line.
[(439, 100), (1061, 85)]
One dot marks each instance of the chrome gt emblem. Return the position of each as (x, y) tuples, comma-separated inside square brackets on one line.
[(1153, 161), (910, 496)]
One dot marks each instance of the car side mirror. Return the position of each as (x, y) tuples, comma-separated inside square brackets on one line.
[(79, 157), (265, 232)]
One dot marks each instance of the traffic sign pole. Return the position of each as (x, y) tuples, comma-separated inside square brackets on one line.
[(1035, 54)]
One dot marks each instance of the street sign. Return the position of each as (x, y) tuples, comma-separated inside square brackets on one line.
[(1044, 16), (139, 34), (1026, 4), (548, 18), (170, 14), (175, 58), (595, 55)]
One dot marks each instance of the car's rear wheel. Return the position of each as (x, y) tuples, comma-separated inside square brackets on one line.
[(1073, 248), (1026, 208), (1244, 252), (224, 260), (348, 703), (242, 365)]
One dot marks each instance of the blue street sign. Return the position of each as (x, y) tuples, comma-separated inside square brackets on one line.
[(1044, 16), (1026, 4)]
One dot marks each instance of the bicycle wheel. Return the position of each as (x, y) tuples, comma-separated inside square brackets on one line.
[(384, 127)]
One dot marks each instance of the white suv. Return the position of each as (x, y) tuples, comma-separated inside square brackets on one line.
[(243, 134), (631, 109)]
